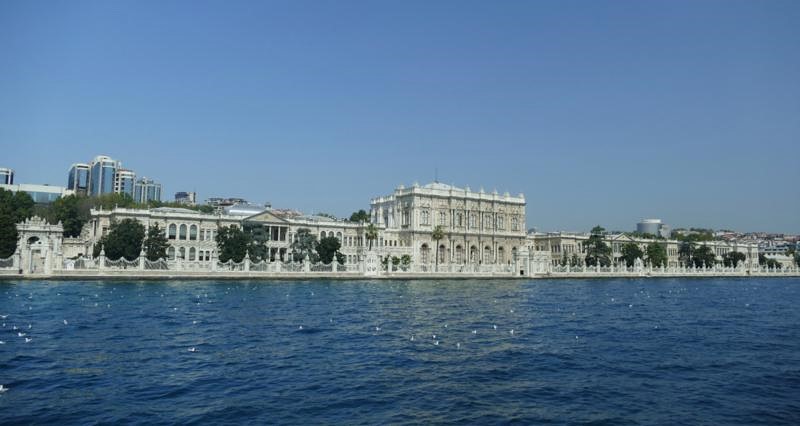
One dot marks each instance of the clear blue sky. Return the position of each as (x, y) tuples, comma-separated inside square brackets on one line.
[(600, 112)]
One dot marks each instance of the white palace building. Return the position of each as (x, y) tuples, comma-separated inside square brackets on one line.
[(482, 233)]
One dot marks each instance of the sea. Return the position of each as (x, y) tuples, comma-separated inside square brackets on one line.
[(715, 351)]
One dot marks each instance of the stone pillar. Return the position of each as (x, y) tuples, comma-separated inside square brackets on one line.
[(247, 262), (335, 264), (213, 261), (306, 264), (142, 258), (101, 260)]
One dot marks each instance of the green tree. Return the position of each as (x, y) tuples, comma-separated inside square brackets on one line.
[(657, 254), (597, 251), (395, 261), (686, 252), (437, 235), (327, 248), (564, 260), (703, 255), (156, 244), (574, 260), (15, 207), (304, 245), (232, 243), (124, 239), (733, 258), (405, 260), (73, 211), (371, 234), (360, 216), (631, 252)]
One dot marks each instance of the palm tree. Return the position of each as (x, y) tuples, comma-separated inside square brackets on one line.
[(371, 234), (438, 234)]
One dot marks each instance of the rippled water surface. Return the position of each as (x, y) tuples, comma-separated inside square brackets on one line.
[(658, 351)]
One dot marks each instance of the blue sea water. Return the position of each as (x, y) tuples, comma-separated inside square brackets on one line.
[(650, 351)]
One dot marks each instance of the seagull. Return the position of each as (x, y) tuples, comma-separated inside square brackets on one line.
[(4, 316), (512, 331), (192, 349), (412, 337), (495, 326), (300, 328), (14, 328), (474, 331), (194, 322), (3, 388), (436, 343), (445, 326), (21, 334), (27, 340), (377, 329), (434, 336), (2, 342), (458, 345), (65, 322)]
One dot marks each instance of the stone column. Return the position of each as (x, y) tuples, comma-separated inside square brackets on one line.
[(306, 264), (335, 264), (247, 262), (101, 260), (142, 258)]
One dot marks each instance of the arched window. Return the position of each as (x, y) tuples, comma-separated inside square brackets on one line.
[(473, 254), (501, 255), (442, 253), (322, 235), (425, 251), (513, 253), (181, 253), (487, 254), (459, 219), (459, 254), (172, 231), (339, 236), (193, 232), (171, 252), (182, 232), (191, 253)]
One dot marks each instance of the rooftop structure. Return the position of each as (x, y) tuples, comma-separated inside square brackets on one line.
[(6, 176)]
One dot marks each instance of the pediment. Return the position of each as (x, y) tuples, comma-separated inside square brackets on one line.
[(266, 217)]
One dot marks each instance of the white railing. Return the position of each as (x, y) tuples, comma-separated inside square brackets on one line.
[(122, 263), (157, 265), (230, 265), (322, 267)]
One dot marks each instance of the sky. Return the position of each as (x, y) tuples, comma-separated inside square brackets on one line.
[(600, 112)]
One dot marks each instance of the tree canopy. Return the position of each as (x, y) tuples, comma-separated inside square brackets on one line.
[(703, 255), (597, 251), (156, 244), (360, 216), (15, 207), (124, 239), (232, 243), (371, 234), (327, 248), (733, 258), (631, 252), (657, 254), (304, 245)]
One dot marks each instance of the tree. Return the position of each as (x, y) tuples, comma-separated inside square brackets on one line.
[(156, 244), (395, 261), (686, 252), (597, 251), (124, 239), (437, 235), (733, 258), (327, 248), (564, 259), (703, 255), (631, 252), (73, 211), (360, 216), (405, 261), (304, 245), (574, 260), (371, 234), (232, 243), (657, 254)]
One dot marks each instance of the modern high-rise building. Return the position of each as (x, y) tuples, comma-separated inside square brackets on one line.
[(186, 198), (6, 176), (78, 178), (124, 180), (145, 190), (101, 177)]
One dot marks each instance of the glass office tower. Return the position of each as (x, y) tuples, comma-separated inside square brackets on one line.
[(101, 178), (6, 176), (78, 179), (146, 190)]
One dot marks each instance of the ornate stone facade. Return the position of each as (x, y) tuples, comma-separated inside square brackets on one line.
[(479, 227)]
